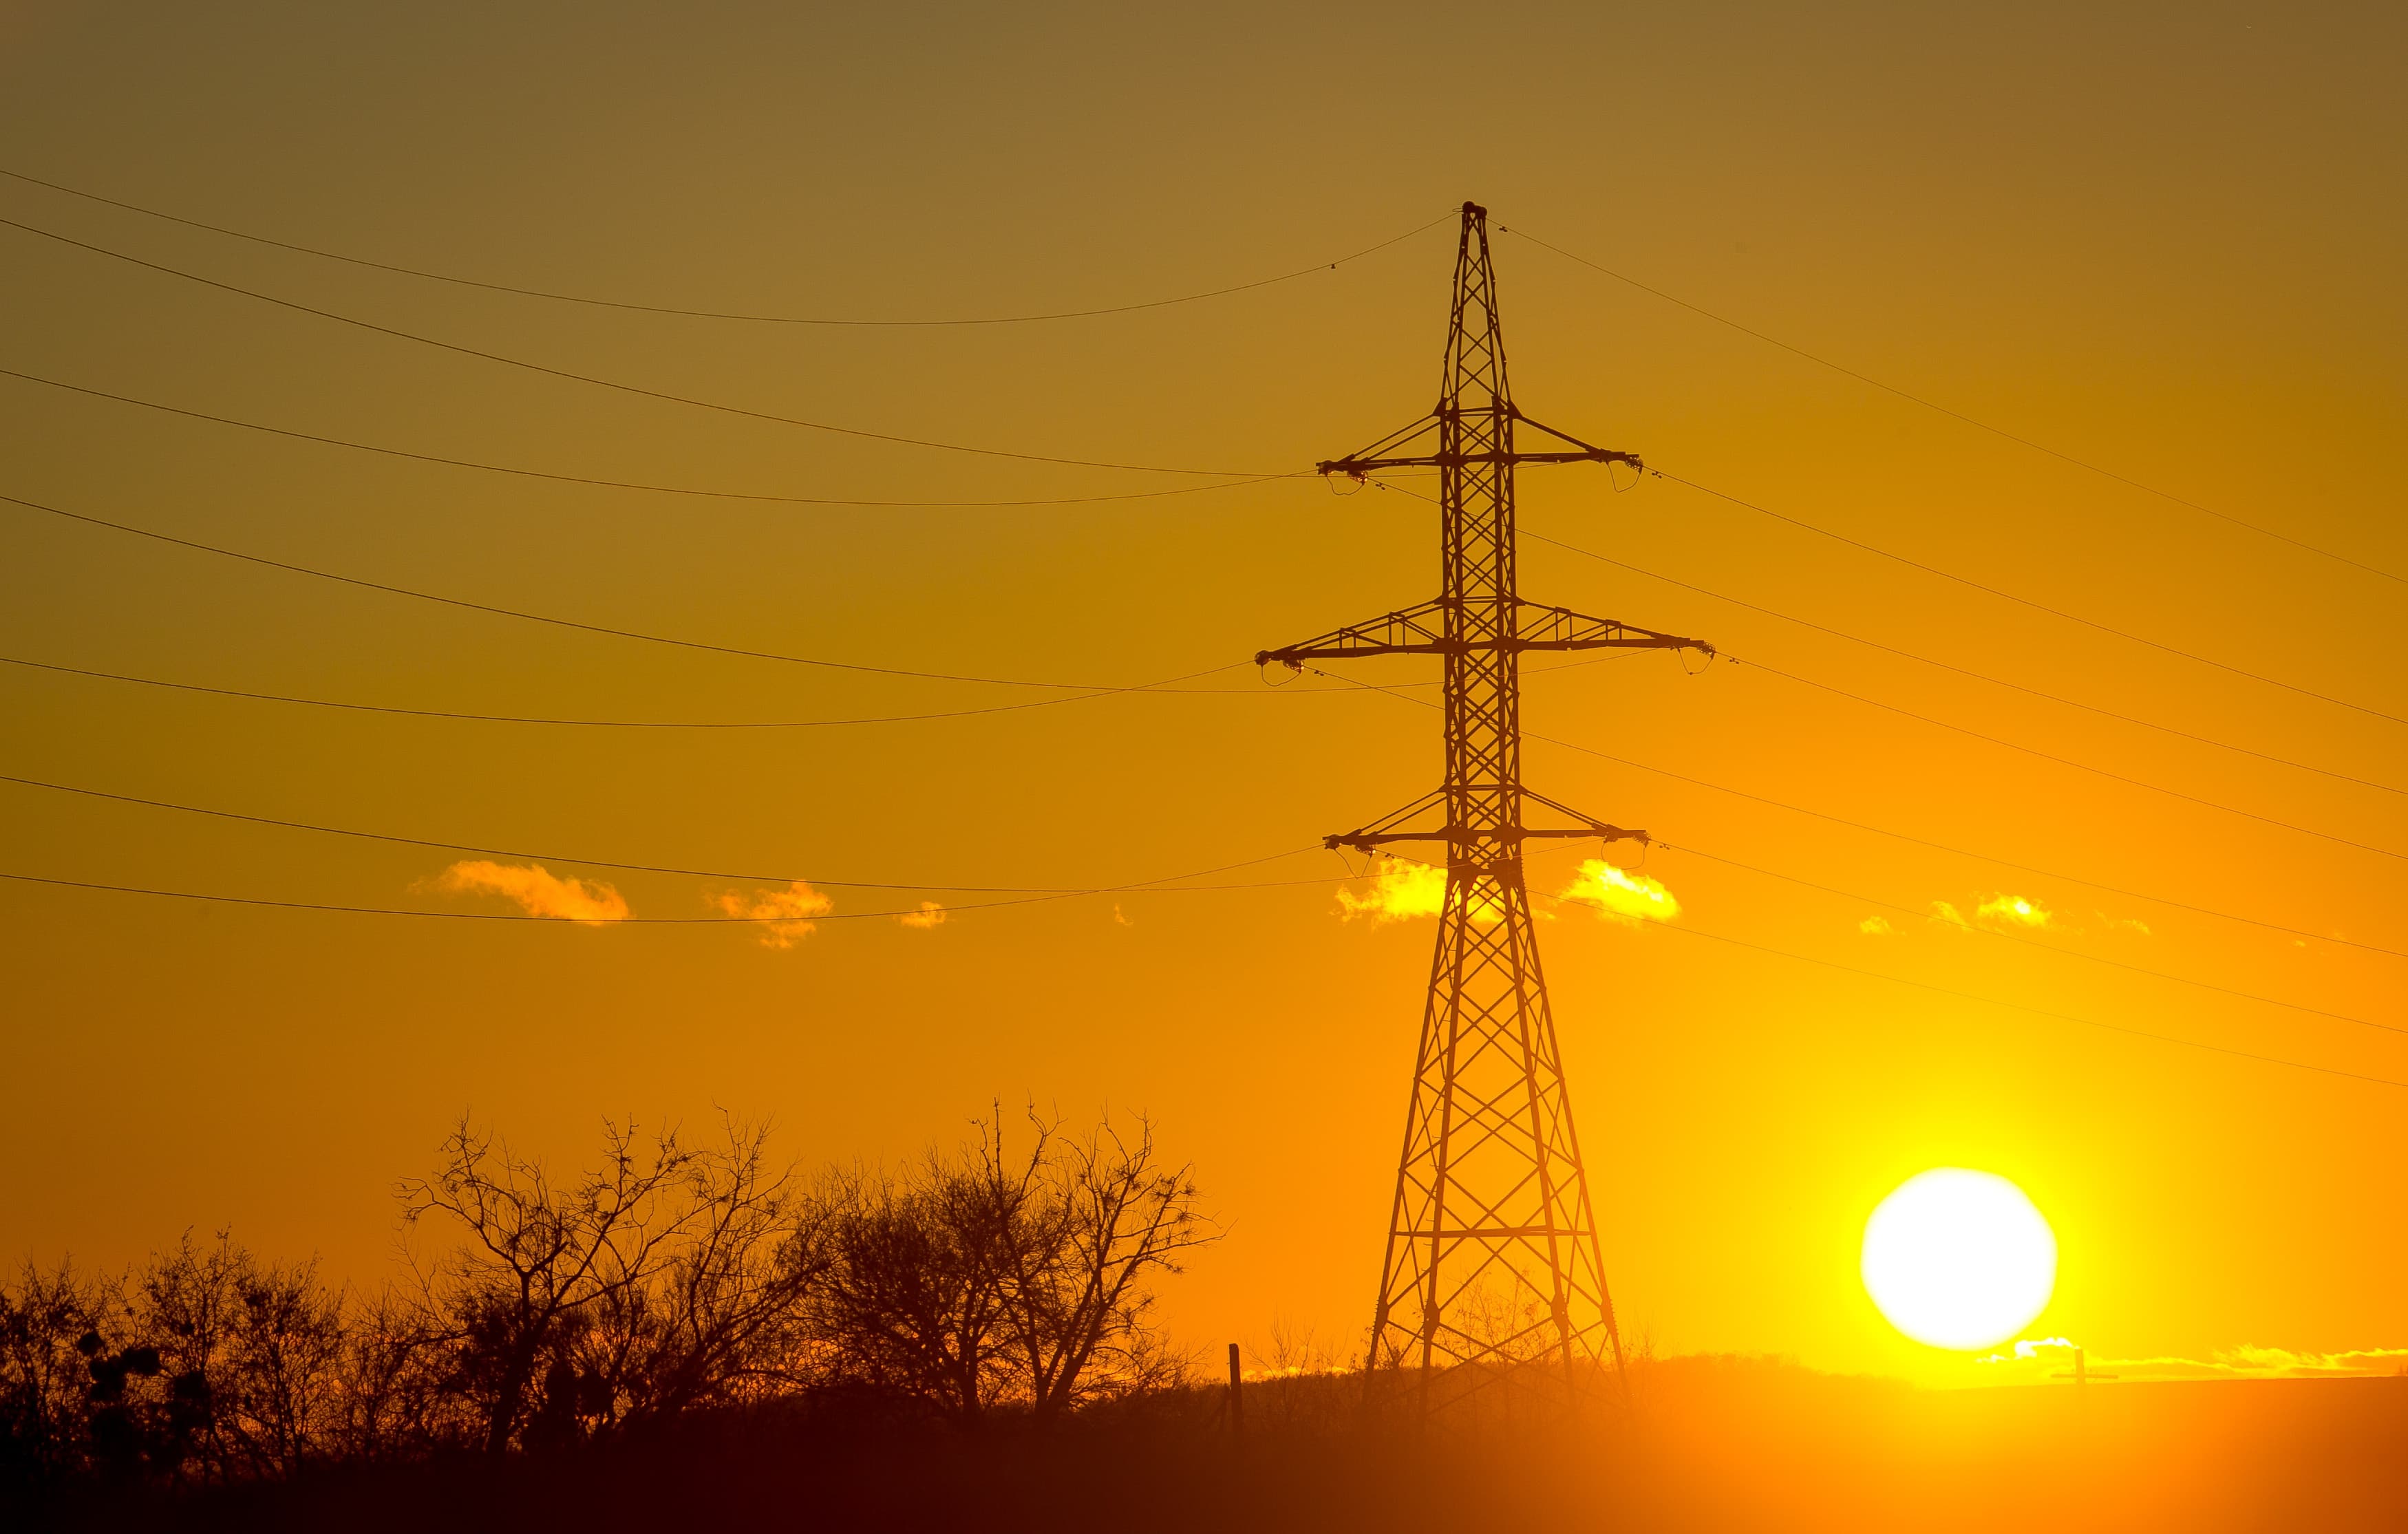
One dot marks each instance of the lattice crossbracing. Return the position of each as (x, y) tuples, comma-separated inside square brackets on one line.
[(1493, 1270)]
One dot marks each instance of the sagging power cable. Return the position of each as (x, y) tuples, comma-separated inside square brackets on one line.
[(1954, 414), (1962, 670), (634, 389), (628, 484), (1089, 689), (1317, 266)]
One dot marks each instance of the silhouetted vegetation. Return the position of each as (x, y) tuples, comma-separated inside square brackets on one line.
[(693, 1335), (670, 1281)]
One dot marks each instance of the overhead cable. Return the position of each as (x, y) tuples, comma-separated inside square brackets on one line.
[(667, 723), (2062, 761), (1688, 930), (629, 484), (715, 314), (2036, 1012), (1991, 858), (638, 390), (1960, 415), (2028, 942), (626, 867), (1993, 591), (2006, 596), (1089, 689), (614, 920), (1963, 671)]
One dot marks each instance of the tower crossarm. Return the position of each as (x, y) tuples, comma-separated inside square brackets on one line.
[(1413, 631), (1388, 452), (1424, 630), (1398, 826), (1356, 468), (1538, 627), (1461, 835)]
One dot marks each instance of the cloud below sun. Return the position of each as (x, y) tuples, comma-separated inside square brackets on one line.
[(1398, 889), (785, 915), (1618, 894), (537, 891)]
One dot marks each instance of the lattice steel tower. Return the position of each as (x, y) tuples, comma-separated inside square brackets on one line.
[(1493, 1264)]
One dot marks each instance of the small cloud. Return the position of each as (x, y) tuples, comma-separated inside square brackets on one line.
[(536, 892), (2255, 1363), (1399, 890), (783, 915), (1874, 927), (1948, 915), (1120, 917), (2014, 912), (1620, 895), (2124, 923), (2241, 1363), (929, 914)]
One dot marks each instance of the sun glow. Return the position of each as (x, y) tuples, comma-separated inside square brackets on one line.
[(1959, 1259)]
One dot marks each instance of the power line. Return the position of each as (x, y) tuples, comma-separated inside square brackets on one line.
[(2064, 761), (1995, 861), (714, 314), (624, 484), (2033, 750), (2028, 942), (1089, 689), (1986, 1000), (1960, 670), (1993, 591), (666, 724), (625, 388), (1991, 858), (2037, 1011), (614, 921), (1960, 415), (2037, 606), (607, 863)]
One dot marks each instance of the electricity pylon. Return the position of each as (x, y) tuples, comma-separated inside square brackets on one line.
[(1492, 1266)]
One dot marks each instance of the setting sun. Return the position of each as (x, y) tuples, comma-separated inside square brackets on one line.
[(1959, 1259)]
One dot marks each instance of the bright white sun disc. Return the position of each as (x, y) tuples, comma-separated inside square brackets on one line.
[(1960, 1258)]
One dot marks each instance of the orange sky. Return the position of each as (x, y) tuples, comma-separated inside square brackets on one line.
[(2166, 242)]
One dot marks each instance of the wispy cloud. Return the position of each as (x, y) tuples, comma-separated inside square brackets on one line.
[(2247, 1362), (2005, 911), (1619, 895), (2015, 913), (1399, 890), (537, 891), (784, 914), (1874, 927), (929, 914)]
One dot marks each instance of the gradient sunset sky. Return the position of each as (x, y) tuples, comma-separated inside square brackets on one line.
[(2162, 240)]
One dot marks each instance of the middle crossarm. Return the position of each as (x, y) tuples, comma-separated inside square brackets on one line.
[(1422, 631)]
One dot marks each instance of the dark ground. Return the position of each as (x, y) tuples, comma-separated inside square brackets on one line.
[(1712, 1444)]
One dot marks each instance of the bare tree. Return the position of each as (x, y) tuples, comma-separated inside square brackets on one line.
[(1106, 1219), (912, 1292), (49, 1331), (281, 1388), (990, 1281), (396, 1360), (536, 1260), (721, 1319)]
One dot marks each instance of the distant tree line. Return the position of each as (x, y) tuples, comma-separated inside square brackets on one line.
[(667, 1279)]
